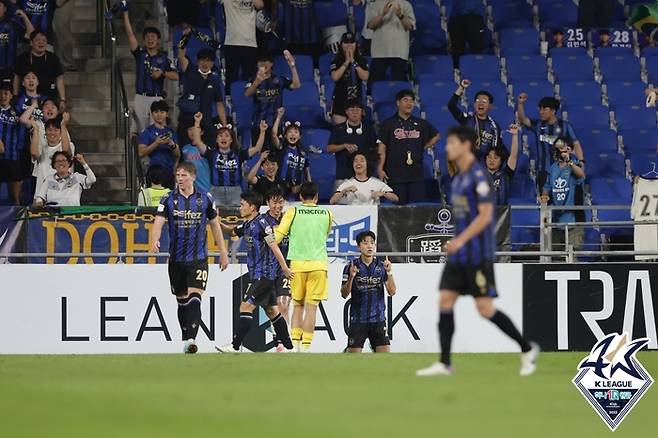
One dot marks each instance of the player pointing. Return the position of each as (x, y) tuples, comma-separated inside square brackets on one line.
[(187, 212), (470, 269)]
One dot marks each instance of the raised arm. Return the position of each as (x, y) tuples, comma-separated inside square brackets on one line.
[(183, 62), (66, 137), (391, 287), (378, 19), (196, 134), (514, 150), (35, 140), (296, 82), (457, 114), (275, 128), (346, 286), (90, 178), (252, 176), (26, 117), (520, 110), (29, 28), (258, 146), (130, 33)]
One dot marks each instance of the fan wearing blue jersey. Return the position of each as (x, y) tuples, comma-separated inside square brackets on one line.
[(266, 264), (502, 167), (41, 13), (187, 212), (11, 167), (159, 142), (470, 266), (13, 28), (294, 167), (365, 278), (225, 160)]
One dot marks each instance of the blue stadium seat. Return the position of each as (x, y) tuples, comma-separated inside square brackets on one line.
[(620, 67), (625, 92), (504, 115), (557, 13), (435, 91), (323, 173), (428, 40), (635, 117), (519, 37), (580, 92), (511, 13), (523, 189), (310, 116), (384, 110), (643, 163), (605, 165), (606, 52), (640, 141), (440, 119), (316, 138), (652, 69), (193, 45), (324, 63), (649, 52), (330, 13), (237, 93), (497, 89), (612, 191), (385, 91), (427, 14), (526, 67), (483, 67), (616, 216), (304, 64), (308, 94), (589, 116), (535, 90), (439, 66), (525, 227), (598, 140), (243, 114), (576, 65)]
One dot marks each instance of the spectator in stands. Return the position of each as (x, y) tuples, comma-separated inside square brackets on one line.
[(270, 179), (558, 39), (350, 137), (604, 38), (300, 29), (565, 174), (159, 142), (392, 21), (225, 159), (30, 97), (403, 139), (202, 87), (63, 187), (294, 167), (502, 166), (240, 45), (150, 196), (152, 67), (547, 129), (266, 24), (595, 13), (348, 70), (43, 147), (39, 111), (267, 91), (362, 189), (45, 64), (486, 128), (191, 153), (466, 25), (11, 33), (12, 170), (41, 13)]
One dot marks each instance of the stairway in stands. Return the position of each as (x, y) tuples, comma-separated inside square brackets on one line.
[(89, 97)]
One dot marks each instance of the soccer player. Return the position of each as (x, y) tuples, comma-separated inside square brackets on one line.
[(470, 266), (364, 278), (263, 260), (187, 212), (307, 227)]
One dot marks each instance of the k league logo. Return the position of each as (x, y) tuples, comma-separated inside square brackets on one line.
[(611, 378)]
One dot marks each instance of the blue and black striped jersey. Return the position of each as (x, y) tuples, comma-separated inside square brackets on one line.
[(40, 13), (300, 25), (144, 64), (226, 168), (294, 162), (10, 33), (21, 103), (261, 262), (368, 300), (546, 135), (187, 218), (9, 128), (268, 98)]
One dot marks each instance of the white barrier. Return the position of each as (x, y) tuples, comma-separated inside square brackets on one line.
[(83, 309)]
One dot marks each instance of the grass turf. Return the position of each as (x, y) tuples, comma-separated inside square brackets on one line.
[(302, 395)]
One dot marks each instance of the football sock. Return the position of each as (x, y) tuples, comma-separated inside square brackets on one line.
[(281, 331), (446, 330), (307, 338), (507, 326), (194, 314), (296, 334), (244, 324), (182, 317)]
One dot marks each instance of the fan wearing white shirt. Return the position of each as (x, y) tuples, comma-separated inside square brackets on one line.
[(48, 138), (362, 189), (64, 187)]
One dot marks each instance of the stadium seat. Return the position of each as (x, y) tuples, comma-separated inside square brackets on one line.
[(310, 116), (535, 90), (580, 92), (511, 13), (519, 37), (384, 110), (643, 163), (440, 119), (429, 40), (237, 93), (439, 66), (557, 13), (243, 114), (307, 94), (649, 52), (589, 116), (316, 139), (435, 91), (604, 215), (624, 92), (523, 188), (605, 52), (605, 165), (385, 91), (576, 65), (525, 227), (323, 173), (612, 191), (482, 67), (639, 141), (504, 115), (304, 64), (497, 89), (635, 117), (330, 13), (620, 67), (598, 140), (427, 14), (652, 69), (324, 63), (526, 67)]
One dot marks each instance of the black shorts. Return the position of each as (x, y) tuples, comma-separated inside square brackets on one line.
[(374, 331), (261, 293), (282, 287), (12, 170), (477, 281), (184, 275)]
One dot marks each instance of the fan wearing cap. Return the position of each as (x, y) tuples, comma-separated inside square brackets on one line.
[(202, 85), (348, 70), (13, 28), (11, 168), (294, 168), (225, 159)]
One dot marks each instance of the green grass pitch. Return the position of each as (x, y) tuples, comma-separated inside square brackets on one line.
[(312, 395)]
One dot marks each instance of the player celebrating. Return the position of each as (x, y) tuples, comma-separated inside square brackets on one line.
[(263, 260), (307, 227), (187, 212), (470, 269), (364, 278)]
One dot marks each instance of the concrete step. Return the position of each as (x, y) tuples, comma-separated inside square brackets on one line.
[(111, 183), (92, 118), (98, 145), (78, 104), (95, 51), (89, 91), (108, 170), (99, 196), (105, 158), (96, 133)]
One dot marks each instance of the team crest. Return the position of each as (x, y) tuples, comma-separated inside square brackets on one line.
[(199, 202), (611, 378)]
